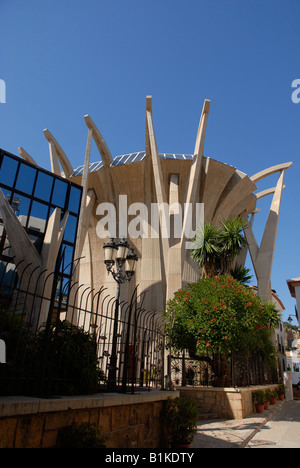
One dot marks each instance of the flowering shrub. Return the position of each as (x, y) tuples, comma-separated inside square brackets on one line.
[(218, 314)]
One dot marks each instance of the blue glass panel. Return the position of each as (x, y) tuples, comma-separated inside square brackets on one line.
[(38, 216), (70, 230), (130, 158), (8, 171), (179, 156), (74, 200), (26, 178), (20, 204), (43, 186), (66, 265), (59, 193)]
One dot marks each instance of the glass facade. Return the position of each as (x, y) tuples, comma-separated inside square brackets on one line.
[(34, 193)]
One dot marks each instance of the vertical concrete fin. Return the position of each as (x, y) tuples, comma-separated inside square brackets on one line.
[(103, 149), (53, 239), (159, 187), (59, 155), (195, 171), (53, 159), (17, 236), (26, 156), (87, 200), (262, 256)]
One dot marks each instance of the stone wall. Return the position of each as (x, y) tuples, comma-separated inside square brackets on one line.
[(129, 421), (224, 403)]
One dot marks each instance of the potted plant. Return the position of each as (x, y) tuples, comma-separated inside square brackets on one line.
[(268, 395), (273, 398), (281, 391), (181, 416), (258, 399)]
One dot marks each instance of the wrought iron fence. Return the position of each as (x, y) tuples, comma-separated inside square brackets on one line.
[(69, 352), (218, 371)]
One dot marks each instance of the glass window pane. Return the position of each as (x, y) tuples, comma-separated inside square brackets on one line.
[(70, 231), (74, 201), (43, 186), (38, 216), (5, 245), (59, 193), (20, 205), (26, 178), (7, 277), (66, 265), (8, 171)]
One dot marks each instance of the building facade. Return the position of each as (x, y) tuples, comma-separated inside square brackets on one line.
[(294, 288), (38, 226), (133, 186)]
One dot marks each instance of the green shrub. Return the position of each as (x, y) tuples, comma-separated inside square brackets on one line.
[(219, 315), (281, 389), (68, 354), (59, 360), (181, 416), (258, 397), (268, 394)]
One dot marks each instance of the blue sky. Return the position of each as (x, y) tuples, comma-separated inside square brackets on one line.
[(63, 59)]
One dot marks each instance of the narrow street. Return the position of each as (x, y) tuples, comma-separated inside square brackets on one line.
[(282, 430), (277, 427)]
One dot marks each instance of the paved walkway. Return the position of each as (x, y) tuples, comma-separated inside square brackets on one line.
[(277, 427)]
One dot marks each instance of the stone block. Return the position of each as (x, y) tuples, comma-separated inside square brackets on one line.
[(49, 439), (29, 431), (104, 422), (58, 420), (7, 431), (81, 417), (120, 417)]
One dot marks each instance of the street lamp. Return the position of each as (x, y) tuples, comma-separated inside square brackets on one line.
[(120, 261), (293, 315), (290, 317)]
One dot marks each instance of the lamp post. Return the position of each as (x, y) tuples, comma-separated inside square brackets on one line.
[(290, 317), (120, 261)]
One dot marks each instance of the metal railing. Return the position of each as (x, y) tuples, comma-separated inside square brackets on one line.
[(70, 351), (216, 371)]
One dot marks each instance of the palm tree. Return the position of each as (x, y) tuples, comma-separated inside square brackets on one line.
[(241, 274), (215, 249)]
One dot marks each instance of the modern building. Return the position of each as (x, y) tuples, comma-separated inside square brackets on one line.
[(152, 199), (38, 225)]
